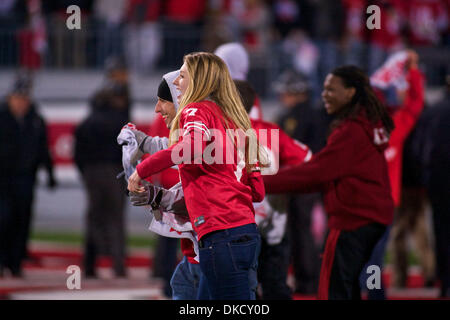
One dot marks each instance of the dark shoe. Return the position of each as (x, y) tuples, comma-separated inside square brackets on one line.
[(445, 293), (90, 274), (121, 273), (16, 273)]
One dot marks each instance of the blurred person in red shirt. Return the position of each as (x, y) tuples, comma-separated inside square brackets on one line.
[(400, 73), (271, 214), (427, 21)]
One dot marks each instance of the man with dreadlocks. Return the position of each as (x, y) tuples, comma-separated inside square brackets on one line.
[(351, 172)]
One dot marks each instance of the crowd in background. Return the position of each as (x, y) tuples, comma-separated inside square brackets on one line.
[(312, 36)]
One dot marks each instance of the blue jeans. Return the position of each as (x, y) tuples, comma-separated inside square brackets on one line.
[(185, 280), (229, 260)]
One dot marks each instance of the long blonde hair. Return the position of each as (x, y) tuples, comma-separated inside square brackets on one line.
[(209, 78)]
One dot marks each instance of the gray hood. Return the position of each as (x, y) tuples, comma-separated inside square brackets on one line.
[(170, 78)]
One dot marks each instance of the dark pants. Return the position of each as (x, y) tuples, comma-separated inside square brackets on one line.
[(376, 259), (105, 225), (440, 203), (16, 198), (273, 269), (229, 260), (346, 253), (165, 261), (305, 253)]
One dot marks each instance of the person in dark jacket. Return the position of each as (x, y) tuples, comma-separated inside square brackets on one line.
[(23, 149), (309, 125), (351, 172), (99, 159), (437, 181)]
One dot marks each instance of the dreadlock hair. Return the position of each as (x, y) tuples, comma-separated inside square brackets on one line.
[(364, 99)]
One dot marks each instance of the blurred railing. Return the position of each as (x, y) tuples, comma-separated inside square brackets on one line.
[(150, 48)]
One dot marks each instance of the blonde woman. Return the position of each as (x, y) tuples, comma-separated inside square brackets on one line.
[(218, 193)]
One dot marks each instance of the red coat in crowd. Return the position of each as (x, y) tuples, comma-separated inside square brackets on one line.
[(404, 121)]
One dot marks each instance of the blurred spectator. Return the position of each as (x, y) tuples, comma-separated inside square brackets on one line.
[(117, 77), (401, 71), (328, 29), (446, 35), (411, 216), (182, 29), (99, 160), (355, 30), (254, 22), (13, 15), (428, 20), (33, 38), (304, 58), (286, 16), (68, 47), (109, 16), (387, 39), (217, 28), (309, 125), (143, 34), (438, 184), (22, 151)]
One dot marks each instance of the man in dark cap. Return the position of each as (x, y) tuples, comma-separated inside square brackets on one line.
[(22, 151), (99, 159), (437, 180), (117, 81)]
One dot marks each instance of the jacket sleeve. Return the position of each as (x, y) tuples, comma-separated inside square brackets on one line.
[(189, 150), (45, 158), (336, 160), (406, 117), (256, 183), (173, 155), (292, 151)]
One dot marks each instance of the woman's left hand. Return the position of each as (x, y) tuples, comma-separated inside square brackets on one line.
[(134, 183)]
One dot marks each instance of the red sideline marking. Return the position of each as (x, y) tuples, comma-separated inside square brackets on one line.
[(55, 260)]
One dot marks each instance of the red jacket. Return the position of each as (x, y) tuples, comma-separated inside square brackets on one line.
[(404, 120), (351, 171), (215, 196)]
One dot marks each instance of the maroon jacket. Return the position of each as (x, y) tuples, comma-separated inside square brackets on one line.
[(350, 171)]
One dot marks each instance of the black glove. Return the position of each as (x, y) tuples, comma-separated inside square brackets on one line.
[(151, 196)]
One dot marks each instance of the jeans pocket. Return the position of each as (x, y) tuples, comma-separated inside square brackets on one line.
[(243, 251)]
